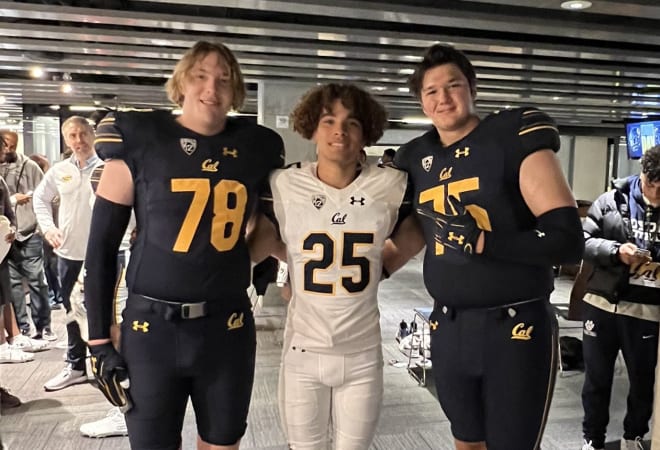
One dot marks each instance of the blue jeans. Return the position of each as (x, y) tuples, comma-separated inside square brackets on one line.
[(68, 271), (26, 260)]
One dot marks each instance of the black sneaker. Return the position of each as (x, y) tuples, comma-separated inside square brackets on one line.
[(25, 332), (46, 334)]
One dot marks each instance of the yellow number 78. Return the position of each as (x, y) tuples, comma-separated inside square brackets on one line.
[(227, 218)]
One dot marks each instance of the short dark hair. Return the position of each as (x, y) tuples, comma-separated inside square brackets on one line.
[(437, 55), (363, 106), (389, 152), (651, 164)]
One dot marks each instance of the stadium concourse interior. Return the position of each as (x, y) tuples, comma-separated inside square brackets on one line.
[(411, 416)]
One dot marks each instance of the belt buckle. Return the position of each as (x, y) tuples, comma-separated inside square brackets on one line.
[(193, 310)]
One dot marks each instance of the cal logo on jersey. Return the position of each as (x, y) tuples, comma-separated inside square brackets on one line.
[(427, 163), (188, 145), (208, 165), (318, 201)]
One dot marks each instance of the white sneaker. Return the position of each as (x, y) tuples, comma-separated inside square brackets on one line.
[(113, 424), (635, 444), (588, 446), (9, 354), (28, 344), (65, 378)]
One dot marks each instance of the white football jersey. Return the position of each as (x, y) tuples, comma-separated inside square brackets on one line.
[(334, 239)]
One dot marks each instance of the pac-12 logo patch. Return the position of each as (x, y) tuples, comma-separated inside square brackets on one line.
[(188, 145), (318, 201), (427, 163)]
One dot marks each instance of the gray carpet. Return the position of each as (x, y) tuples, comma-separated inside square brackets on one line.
[(411, 417)]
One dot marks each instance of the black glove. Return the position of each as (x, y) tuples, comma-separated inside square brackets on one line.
[(456, 232), (110, 372)]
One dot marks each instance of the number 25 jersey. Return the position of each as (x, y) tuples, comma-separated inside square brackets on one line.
[(334, 239), (193, 196)]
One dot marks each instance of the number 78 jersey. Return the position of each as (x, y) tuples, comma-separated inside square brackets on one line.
[(334, 240)]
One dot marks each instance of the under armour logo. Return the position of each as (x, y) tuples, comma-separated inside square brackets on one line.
[(210, 166), (233, 152), (143, 327), (235, 321), (519, 332), (360, 200), (433, 324), (453, 237), (465, 152)]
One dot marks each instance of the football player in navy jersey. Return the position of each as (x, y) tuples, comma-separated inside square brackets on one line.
[(193, 181), (497, 214)]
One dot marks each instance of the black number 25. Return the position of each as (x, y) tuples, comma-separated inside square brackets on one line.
[(348, 258)]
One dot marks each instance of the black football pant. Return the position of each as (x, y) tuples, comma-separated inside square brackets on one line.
[(68, 271), (604, 334)]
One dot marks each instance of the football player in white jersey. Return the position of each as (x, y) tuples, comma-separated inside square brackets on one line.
[(334, 217)]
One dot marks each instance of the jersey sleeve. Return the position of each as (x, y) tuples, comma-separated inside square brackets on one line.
[(536, 131), (109, 142), (405, 209), (401, 158), (117, 137), (266, 203)]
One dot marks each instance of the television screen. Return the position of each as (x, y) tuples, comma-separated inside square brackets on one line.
[(641, 136)]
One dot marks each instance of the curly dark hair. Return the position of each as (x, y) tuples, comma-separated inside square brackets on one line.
[(365, 109), (651, 164), (437, 55)]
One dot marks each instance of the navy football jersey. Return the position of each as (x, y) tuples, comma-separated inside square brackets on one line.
[(193, 197), (482, 171)]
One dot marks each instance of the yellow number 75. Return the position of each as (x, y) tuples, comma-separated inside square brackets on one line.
[(227, 217), (438, 196)]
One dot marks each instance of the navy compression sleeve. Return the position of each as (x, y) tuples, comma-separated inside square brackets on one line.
[(109, 222), (557, 239)]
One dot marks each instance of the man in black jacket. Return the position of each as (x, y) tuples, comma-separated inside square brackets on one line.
[(622, 308)]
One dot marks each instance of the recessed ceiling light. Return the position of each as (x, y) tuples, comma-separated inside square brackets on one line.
[(576, 5), (66, 88), (3, 99), (36, 72)]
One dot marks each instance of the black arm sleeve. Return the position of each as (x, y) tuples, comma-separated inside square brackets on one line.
[(109, 222), (557, 239)]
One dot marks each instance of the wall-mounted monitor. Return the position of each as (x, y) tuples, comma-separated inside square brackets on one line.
[(641, 136)]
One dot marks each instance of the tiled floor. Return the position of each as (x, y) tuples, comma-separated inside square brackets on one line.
[(411, 417)]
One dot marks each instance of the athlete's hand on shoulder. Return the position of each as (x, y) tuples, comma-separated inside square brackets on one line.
[(109, 369), (456, 232)]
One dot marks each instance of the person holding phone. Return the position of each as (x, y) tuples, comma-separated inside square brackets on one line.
[(622, 301)]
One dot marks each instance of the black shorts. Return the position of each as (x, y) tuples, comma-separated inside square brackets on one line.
[(209, 359), (494, 373)]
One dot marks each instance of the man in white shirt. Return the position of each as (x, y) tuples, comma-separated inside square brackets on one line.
[(70, 180)]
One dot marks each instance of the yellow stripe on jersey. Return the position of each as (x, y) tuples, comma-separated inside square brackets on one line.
[(108, 140), (536, 128), (107, 120)]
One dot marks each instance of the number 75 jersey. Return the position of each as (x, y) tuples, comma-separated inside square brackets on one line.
[(334, 240)]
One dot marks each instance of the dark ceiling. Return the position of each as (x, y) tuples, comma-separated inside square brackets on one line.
[(593, 68)]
